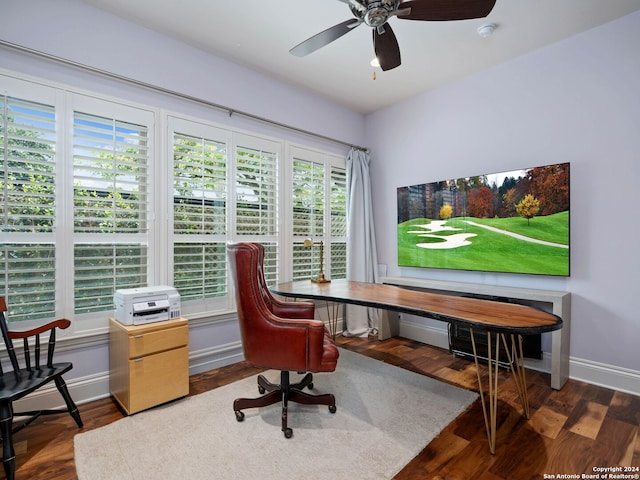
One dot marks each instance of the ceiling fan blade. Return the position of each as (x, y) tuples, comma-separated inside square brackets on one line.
[(386, 47), (323, 38), (443, 10)]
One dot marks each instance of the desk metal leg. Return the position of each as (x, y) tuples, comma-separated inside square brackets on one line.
[(493, 353), (518, 370), (333, 311), (516, 360)]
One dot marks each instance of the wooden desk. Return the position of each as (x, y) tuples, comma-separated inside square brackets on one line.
[(501, 322), (557, 302)]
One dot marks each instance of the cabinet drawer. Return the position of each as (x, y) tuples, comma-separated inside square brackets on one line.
[(145, 343), (158, 378)]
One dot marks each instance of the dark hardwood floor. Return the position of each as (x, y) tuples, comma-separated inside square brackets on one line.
[(570, 432)]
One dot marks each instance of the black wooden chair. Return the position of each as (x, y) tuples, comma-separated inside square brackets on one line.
[(19, 382)]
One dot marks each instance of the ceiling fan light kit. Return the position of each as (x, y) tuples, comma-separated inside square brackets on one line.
[(376, 14)]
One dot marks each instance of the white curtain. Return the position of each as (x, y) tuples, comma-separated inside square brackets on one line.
[(362, 256)]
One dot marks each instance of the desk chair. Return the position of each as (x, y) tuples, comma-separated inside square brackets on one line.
[(21, 381), (278, 335)]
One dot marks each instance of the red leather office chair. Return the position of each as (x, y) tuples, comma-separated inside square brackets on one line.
[(278, 335)]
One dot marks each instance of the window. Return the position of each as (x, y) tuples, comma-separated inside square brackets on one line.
[(225, 187), (257, 197), (200, 210), (74, 201), (338, 206), (89, 206), (319, 213), (28, 205), (111, 201)]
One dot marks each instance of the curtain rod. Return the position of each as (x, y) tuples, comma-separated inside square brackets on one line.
[(156, 88)]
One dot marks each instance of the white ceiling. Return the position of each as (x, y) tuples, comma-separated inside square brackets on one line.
[(259, 34)]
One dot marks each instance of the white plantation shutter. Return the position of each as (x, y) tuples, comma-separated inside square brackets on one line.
[(109, 175), (28, 272), (309, 195), (308, 215), (225, 187), (200, 185), (256, 197), (199, 269), (305, 261), (28, 207), (100, 269), (338, 187), (110, 206), (318, 212), (256, 192), (271, 263), (28, 135), (200, 208)]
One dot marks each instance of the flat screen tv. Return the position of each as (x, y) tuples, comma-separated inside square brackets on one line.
[(515, 222)]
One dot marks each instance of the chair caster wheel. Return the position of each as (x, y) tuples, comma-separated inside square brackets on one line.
[(288, 433), (261, 389), (239, 416), (311, 386), (332, 408)]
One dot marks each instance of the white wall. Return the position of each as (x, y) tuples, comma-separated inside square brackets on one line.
[(576, 101)]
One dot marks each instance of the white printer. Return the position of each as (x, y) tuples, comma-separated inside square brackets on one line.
[(137, 306)]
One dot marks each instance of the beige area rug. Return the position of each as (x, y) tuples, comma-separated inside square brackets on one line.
[(386, 415)]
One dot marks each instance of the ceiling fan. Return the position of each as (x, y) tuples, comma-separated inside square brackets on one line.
[(376, 13)]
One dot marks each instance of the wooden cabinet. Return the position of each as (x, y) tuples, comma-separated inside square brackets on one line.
[(149, 364)]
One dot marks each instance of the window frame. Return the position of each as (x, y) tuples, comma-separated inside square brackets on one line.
[(93, 107), (159, 237), (329, 161), (44, 94)]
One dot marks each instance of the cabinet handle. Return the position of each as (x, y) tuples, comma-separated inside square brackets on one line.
[(138, 336), (139, 359)]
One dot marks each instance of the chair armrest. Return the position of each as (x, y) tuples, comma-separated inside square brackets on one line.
[(61, 323), (298, 322), (285, 343), (305, 310)]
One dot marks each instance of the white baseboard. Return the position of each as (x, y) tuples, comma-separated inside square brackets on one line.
[(82, 390), (609, 376), (215, 357), (603, 375), (95, 387)]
